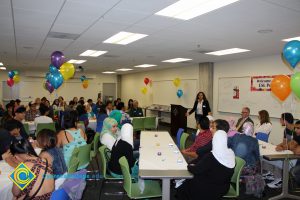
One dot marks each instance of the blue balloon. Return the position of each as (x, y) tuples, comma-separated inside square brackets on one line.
[(82, 78), (11, 74), (52, 69), (179, 93), (291, 52), (47, 75), (56, 79)]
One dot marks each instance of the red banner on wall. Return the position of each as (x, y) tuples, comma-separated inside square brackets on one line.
[(261, 83)]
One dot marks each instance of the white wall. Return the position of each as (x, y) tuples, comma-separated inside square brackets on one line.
[(271, 65), (132, 84)]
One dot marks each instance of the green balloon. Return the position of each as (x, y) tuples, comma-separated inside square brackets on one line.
[(16, 72), (295, 84)]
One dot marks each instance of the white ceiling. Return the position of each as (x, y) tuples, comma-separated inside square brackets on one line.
[(25, 24)]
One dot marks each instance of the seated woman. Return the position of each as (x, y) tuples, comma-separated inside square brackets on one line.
[(46, 140), (117, 115), (213, 172), (246, 147), (109, 133), (71, 137), (82, 115), (100, 118), (123, 147), (264, 126), (41, 187)]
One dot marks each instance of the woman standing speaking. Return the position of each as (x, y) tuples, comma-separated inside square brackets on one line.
[(201, 107)]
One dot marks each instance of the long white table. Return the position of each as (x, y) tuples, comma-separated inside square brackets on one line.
[(269, 153), (160, 158)]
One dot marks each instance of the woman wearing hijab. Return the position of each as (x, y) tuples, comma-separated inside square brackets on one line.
[(109, 133), (213, 172), (123, 147), (117, 115)]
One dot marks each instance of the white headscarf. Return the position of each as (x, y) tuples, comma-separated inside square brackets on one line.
[(221, 152), (126, 134)]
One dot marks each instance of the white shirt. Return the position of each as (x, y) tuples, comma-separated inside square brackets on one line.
[(42, 120), (199, 108), (264, 128)]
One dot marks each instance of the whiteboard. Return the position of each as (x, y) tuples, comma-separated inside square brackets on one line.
[(165, 93), (255, 100)]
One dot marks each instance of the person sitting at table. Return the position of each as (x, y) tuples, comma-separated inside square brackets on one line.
[(129, 105), (47, 141), (55, 104), (37, 102), (8, 114), (109, 107), (82, 115), (135, 111), (246, 147), (245, 118), (264, 126), (43, 119), (125, 117), (109, 133), (75, 99), (20, 117), (203, 138), (32, 113), (89, 111), (212, 172), (41, 187), (100, 118), (123, 147), (287, 120), (72, 136), (117, 115)]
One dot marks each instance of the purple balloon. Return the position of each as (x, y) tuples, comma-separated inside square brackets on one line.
[(49, 87), (57, 59)]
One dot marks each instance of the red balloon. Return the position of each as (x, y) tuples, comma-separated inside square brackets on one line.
[(10, 82), (146, 81)]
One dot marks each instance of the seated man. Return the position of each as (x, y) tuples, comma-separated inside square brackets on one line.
[(136, 111), (32, 113), (245, 118), (44, 110), (287, 120), (203, 138)]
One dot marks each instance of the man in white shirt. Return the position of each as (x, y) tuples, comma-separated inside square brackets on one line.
[(44, 110)]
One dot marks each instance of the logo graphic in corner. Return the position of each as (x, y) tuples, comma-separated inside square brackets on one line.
[(22, 176)]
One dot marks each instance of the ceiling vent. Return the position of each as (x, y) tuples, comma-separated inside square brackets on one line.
[(58, 35)]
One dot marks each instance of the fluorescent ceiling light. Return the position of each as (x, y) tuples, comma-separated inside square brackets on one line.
[(227, 51), (1, 64), (176, 60), (92, 53), (145, 65), (76, 61), (108, 72), (124, 38), (188, 9), (124, 69), (290, 39), (3, 68)]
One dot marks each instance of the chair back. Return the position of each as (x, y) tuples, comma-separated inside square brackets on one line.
[(178, 136), (138, 123), (150, 123), (84, 155), (42, 126), (126, 175), (183, 139), (26, 127), (262, 136), (104, 160), (59, 194), (96, 142), (239, 165), (73, 164)]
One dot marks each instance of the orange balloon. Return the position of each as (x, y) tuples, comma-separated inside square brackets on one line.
[(280, 86)]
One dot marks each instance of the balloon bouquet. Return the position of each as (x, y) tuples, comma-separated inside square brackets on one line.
[(13, 77), (282, 85), (147, 81), (177, 83), (59, 71), (84, 81)]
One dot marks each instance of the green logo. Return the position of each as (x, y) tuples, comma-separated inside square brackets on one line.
[(22, 176)]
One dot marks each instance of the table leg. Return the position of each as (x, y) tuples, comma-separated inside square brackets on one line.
[(166, 188), (285, 185)]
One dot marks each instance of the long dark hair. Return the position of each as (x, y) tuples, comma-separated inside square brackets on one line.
[(22, 146), (204, 97), (70, 119), (130, 104), (46, 139), (264, 117)]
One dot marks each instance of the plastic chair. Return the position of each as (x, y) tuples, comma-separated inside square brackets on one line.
[(178, 136), (42, 126), (152, 188), (234, 192), (59, 194), (183, 139), (84, 156), (138, 123), (262, 136), (95, 144), (74, 161), (150, 123), (26, 127)]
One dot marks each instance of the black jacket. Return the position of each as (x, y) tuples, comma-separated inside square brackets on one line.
[(205, 108)]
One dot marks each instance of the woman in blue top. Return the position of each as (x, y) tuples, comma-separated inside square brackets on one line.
[(47, 140), (71, 137), (101, 115)]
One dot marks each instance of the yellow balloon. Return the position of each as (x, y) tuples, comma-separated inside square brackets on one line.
[(85, 84), (144, 90), (67, 70), (16, 78), (177, 82)]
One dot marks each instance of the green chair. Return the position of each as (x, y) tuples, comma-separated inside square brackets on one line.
[(183, 139), (152, 188), (138, 123), (84, 156), (234, 190), (26, 127), (104, 156), (150, 123), (95, 145), (74, 161), (42, 126)]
